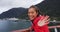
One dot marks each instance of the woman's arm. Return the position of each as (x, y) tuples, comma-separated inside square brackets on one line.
[(23, 30)]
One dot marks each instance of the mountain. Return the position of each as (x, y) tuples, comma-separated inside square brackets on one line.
[(14, 12), (50, 7)]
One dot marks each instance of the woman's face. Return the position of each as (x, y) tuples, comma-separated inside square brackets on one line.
[(32, 13)]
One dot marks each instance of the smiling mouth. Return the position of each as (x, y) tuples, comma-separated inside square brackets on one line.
[(31, 17)]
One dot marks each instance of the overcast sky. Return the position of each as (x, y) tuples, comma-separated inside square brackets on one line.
[(5, 5)]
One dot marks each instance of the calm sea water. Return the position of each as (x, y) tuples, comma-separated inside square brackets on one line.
[(10, 25)]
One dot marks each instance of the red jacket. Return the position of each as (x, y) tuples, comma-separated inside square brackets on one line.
[(39, 28)]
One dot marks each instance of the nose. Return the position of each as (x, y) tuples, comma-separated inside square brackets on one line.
[(30, 14)]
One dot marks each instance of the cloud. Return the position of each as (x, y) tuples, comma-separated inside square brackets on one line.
[(7, 4), (18, 3), (3, 9)]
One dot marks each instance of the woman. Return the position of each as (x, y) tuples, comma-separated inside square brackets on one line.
[(39, 21)]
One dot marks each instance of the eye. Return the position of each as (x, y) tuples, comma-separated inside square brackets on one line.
[(32, 12)]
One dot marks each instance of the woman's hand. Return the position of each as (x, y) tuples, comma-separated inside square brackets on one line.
[(43, 21)]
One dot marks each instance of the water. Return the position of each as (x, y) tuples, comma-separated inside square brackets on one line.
[(10, 25)]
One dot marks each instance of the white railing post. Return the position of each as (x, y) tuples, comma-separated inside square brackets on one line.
[(55, 29)]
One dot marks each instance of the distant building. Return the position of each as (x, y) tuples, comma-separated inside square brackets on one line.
[(11, 19)]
